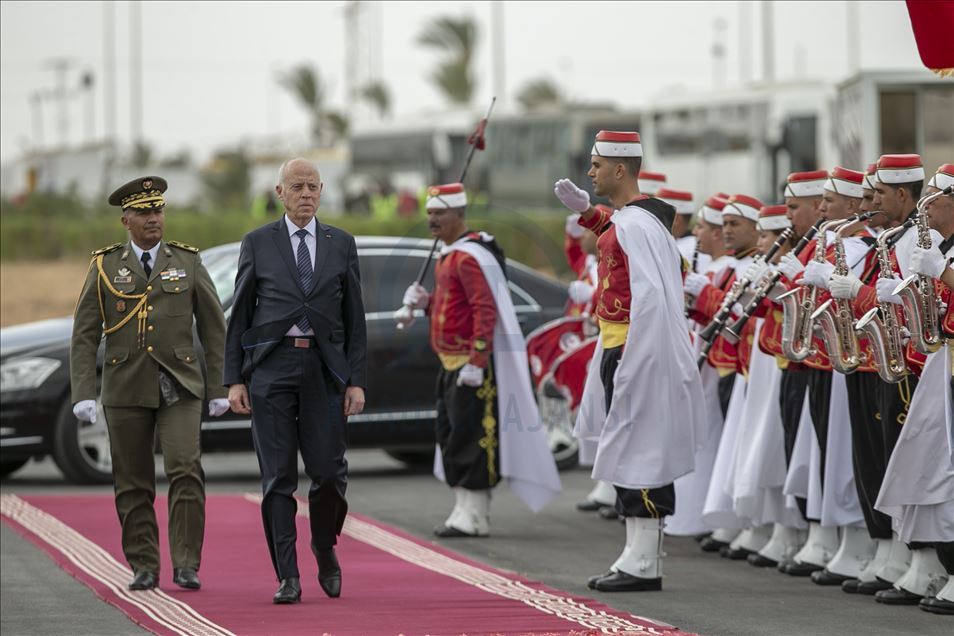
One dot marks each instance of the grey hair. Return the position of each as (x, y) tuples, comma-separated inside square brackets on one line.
[(281, 169)]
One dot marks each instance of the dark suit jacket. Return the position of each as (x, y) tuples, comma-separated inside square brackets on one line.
[(269, 300)]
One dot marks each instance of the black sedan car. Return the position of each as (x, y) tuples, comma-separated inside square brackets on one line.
[(36, 417)]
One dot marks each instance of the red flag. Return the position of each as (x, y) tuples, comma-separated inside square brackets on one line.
[(932, 21), (477, 138)]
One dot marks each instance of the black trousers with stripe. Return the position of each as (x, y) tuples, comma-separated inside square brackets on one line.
[(642, 502), (867, 448), (791, 399)]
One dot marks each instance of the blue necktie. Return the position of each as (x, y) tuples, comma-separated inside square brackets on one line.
[(305, 269), (146, 267)]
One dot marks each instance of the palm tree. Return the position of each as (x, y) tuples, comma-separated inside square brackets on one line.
[(540, 92), (457, 38), (378, 95), (306, 84)]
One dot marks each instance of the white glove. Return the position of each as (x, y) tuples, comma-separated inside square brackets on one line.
[(573, 229), (845, 287), (817, 274), (415, 296), (755, 271), (403, 317), (85, 411), (581, 291), (929, 262), (790, 266), (218, 406), (886, 287), (695, 283), (571, 196), (469, 375)]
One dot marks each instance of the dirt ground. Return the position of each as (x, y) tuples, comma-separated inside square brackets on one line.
[(37, 290)]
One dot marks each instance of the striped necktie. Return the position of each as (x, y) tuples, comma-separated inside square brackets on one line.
[(305, 271)]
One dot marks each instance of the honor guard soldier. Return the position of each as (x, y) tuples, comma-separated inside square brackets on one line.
[(646, 434), (143, 296), (484, 374)]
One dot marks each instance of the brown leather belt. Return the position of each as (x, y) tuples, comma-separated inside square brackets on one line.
[(299, 342)]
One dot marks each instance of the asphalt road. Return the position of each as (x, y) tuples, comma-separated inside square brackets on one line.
[(560, 547)]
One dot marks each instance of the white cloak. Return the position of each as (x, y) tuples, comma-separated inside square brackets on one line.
[(656, 421), (525, 458)]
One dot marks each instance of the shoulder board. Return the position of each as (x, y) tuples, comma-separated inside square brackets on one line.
[(107, 249), (183, 246)]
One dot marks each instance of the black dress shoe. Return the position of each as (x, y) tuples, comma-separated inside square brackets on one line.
[(735, 554), (795, 568), (850, 586), (936, 606), (591, 582), (288, 592), (895, 596), (622, 582), (824, 577), (712, 545), (699, 537), (760, 561), (187, 578), (870, 588), (609, 513), (144, 581), (588, 505), (329, 572)]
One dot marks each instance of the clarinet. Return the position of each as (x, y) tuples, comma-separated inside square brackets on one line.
[(692, 268), (735, 329), (715, 326)]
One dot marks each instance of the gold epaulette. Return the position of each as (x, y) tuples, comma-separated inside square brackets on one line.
[(107, 249), (183, 246)]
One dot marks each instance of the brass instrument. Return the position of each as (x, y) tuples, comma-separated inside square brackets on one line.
[(799, 304), (835, 318), (918, 299), (882, 325)]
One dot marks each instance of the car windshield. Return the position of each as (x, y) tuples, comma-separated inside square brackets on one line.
[(221, 264)]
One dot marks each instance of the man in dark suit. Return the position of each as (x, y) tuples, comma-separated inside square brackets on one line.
[(295, 359)]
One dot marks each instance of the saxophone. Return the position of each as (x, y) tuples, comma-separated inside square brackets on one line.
[(835, 318), (917, 294), (799, 304), (882, 325)]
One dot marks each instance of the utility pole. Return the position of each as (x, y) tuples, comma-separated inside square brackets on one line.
[(36, 115), (498, 45), (87, 82)]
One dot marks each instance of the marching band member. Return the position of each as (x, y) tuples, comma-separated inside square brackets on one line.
[(646, 431)]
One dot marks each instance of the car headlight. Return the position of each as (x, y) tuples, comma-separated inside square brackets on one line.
[(18, 374)]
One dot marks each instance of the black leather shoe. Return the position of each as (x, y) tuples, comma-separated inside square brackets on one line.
[(699, 537), (850, 586), (591, 582), (288, 592), (187, 578), (608, 513), (735, 554), (824, 577), (329, 572), (760, 561), (936, 606), (794, 568), (712, 545), (870, 588), (144, 581), (895, 596), (588, 505), (622, 582)]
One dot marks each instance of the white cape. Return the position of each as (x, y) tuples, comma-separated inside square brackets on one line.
[(657, 418), (718, 511), (918, 487), (525, 458)]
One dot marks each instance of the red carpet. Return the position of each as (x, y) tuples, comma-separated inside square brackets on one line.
[(393, 583)]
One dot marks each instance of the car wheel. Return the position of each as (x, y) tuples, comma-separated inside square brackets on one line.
[(558, 418), (81, 449), (8, 468)]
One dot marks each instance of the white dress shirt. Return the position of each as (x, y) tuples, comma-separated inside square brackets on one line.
[(311, 244), (152, 253)]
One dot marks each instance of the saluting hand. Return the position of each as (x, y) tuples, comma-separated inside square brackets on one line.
[(354, 400), (238, 399)]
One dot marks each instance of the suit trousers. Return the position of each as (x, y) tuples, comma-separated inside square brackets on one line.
[(467, 430), (296, 406), (652, 503), (132, 435), (867, 448), (791, 399)]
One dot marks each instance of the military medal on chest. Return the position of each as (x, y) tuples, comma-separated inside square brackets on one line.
[(172, 274), (121, 306), (123, 276)]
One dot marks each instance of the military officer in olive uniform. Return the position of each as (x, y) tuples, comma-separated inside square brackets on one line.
[(143, 295)]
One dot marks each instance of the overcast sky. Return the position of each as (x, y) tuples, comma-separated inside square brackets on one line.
[(209, 68)]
